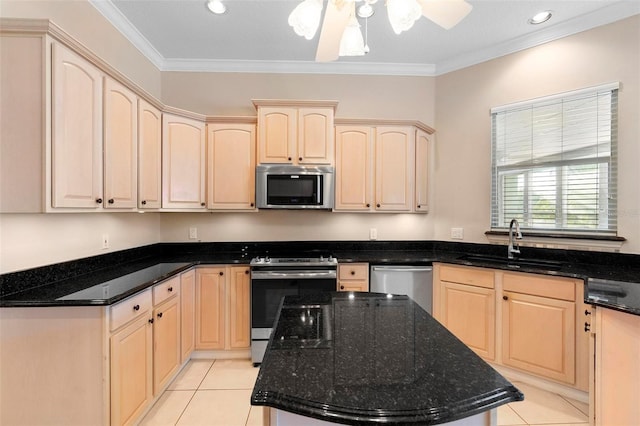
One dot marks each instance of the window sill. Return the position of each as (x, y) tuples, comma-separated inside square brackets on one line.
[(555, 241)]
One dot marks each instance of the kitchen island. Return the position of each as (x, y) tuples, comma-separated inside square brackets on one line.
[(371, 358)]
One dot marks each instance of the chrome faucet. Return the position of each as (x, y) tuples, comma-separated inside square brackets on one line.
[(513, 246)]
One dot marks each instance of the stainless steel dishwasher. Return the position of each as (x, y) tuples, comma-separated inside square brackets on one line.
[(413, 281)]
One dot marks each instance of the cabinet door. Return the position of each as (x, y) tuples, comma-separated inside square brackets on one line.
[(239, 314), (183, 163), (231, 166), (149, 156), (276, 134), (131, 371), (353, 168), (187, 314), (469, 313), (315, 136), (422, 172), (617, 370), (120, 146), (166, 342), (395, 149), (210, 308), (538, 335), (76, 149)]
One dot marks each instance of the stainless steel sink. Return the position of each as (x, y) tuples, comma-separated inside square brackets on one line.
[(516, 263)]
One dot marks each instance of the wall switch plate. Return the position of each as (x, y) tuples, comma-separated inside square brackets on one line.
[(105, 241), (457, 233), (373, 234), (193, 233)]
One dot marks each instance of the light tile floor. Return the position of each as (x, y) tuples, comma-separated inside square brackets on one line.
[(217, 393)]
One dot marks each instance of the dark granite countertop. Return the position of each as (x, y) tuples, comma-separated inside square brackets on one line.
[(45, 286), (368, 359)]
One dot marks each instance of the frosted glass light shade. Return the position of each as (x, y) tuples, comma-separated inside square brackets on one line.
[(403, 13), (352, 43), (305, 18)]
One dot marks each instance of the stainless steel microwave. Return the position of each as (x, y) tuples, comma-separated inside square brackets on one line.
[(294, 187)]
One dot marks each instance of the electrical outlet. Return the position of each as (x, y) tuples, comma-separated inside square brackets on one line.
[(105, 241), (193, 233), (373, 234), (457, 233)]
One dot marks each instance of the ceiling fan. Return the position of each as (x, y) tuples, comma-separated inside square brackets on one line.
[(340, 26)]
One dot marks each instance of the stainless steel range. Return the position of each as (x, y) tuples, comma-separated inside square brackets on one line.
[(274, 278)]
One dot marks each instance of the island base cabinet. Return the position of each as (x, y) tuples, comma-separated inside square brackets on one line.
[(285, 418), (617, 368), (131, 367)]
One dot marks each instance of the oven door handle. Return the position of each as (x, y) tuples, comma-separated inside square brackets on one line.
[(271, 275)]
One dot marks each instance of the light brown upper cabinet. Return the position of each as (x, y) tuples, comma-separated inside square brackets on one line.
[(183, 163), (149, 156), (295, 132), (395, 168), (422, 171), (120, 146), (354, 176), (76, 149), (381, 166), (231, 166)]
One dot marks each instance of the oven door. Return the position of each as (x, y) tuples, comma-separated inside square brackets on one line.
[(268, 287)]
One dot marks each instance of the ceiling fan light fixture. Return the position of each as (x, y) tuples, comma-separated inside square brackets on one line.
[(403, 13), (540, 17), (305, 18), (352, 42), (365, 10), (216, 6)]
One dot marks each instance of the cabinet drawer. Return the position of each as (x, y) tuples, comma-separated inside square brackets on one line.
[(166, 289), (129, 309), (467, 275), (539, 285), (353, 271)]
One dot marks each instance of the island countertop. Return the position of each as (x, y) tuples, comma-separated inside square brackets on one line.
[(369, 358)]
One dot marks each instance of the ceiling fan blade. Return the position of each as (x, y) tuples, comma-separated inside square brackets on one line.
[(446, 13), (336, 18)]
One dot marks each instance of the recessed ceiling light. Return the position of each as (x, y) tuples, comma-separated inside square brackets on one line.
[(216, 6), (540, 17)]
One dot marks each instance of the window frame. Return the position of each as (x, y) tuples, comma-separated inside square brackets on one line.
[(606, 214)]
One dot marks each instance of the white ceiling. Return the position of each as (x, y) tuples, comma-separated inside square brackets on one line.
[(253, 35)]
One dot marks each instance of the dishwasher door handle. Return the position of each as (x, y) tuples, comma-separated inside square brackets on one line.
[(392, 269)]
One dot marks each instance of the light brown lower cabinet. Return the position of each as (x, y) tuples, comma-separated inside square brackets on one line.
[(470, 315), (166, 342), (353, 277), (187, 314), (524, 321), (616, 384), (222, 308), (131, 370)]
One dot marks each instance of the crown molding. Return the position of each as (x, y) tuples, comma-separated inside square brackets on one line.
[(122, 24), (606, 15)]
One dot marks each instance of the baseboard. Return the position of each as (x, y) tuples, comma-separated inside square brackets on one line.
[(222, 354)]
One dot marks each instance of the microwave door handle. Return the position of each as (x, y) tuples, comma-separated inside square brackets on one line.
[(270, 275)]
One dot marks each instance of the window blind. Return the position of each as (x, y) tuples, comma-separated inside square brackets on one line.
[(554, 162)]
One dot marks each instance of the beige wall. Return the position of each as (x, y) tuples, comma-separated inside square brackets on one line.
[(386, 97), (84, 23), (294, 226), (30, 240), (463, 100)]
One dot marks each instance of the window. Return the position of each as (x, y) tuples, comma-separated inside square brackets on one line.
[(554, 163)]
